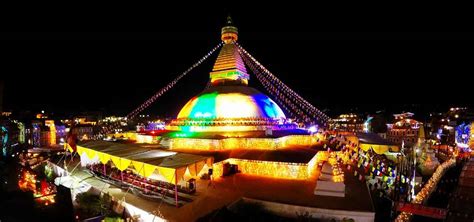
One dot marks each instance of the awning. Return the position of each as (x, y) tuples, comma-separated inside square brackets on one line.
[(171, 165), (379, 149)]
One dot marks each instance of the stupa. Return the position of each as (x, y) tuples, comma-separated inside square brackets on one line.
[(230, 114), (229, 104)]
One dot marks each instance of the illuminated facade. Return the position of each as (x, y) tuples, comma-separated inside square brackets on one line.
[(274, 169), (347, 122), (245, 143), (21, 134), (463, 136), (52, 131), (404, 129)]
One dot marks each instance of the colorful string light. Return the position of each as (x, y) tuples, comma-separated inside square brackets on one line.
[(293, 96), (163, 90)]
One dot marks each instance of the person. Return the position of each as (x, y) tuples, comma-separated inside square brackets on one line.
[(191, 185), (211, 183)]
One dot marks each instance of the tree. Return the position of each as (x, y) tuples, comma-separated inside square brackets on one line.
[(92, 205), (89, 204)]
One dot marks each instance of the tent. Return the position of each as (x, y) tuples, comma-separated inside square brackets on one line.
[(171, 165)]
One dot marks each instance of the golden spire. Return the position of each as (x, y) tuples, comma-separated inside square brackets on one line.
[(229, 33), (229, 68)]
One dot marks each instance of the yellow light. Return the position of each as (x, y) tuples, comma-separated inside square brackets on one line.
[(271, 169), (236, 106), (52, 131), (245, 143), (146, 139), (428, 188)]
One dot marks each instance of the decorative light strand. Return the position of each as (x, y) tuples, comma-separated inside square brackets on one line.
[(429, 187), (274, 91), (286, 89), (292, 94), (163, 90), (271, 76), (282, 96), (267, 86)]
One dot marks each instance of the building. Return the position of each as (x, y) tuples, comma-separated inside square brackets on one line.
[(348, 122), (444, 128), (11, 135), (85, 120), (464, 136), (404, 129), (45, 133), (83, 131)]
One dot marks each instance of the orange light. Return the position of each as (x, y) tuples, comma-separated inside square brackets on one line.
[(298, 171)]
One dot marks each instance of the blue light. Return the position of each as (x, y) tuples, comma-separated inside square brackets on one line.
[(313, 129)]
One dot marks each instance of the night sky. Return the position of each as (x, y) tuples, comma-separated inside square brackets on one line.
[(339, 59)]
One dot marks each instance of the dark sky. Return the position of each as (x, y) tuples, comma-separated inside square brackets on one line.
[(340, 59)]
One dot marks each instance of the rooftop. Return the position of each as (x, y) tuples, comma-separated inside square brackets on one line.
[(145, 154), (372, 138)]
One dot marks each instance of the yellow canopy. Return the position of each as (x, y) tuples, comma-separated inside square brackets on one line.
[(104, 157), (171, 165), (367, 141), (168, 174), (144, 169)]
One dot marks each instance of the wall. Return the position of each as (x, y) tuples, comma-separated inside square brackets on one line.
[(244, 143), (300, 171)]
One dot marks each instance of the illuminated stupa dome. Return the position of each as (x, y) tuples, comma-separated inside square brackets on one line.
[(226, 102), (229, 104)]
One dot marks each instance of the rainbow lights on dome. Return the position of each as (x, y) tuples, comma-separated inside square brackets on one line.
[(215, 105)]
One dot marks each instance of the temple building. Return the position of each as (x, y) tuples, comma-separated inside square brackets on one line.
[(404, 130), (227, 143)]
